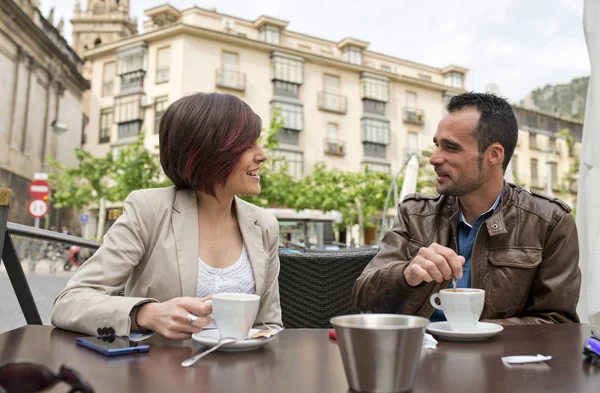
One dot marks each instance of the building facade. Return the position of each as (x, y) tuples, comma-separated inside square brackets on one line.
[(343, 105), (40, 105), (544, 160)]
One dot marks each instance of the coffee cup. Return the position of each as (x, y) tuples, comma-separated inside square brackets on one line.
[(462, 308), (234, 313)]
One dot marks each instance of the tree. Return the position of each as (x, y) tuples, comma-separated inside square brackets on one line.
[(96, 180), (279, 188), (426, 178), (570, 181)]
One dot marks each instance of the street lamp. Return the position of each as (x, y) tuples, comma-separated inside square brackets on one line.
[(57, 130), (549, 162)]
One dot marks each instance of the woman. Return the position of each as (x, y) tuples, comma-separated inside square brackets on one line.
[(174, 247)]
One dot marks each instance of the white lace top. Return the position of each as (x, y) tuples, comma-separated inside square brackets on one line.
[(237, 278)]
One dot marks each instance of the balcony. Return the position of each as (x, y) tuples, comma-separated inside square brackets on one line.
[(414, 116), (334, 147), (332, 102), (231, 79), (132, 81)]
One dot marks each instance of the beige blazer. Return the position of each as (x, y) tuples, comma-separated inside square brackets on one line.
[(152, 252)]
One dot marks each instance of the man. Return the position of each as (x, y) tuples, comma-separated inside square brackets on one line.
[(519, 246)]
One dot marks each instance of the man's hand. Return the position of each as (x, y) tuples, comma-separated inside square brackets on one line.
[(169, 319), (433, 263)]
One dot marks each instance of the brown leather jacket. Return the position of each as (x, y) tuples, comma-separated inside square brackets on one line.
[(525, 257)]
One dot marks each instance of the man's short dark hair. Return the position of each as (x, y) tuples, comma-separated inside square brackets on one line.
[(202, 137), (497, 123)]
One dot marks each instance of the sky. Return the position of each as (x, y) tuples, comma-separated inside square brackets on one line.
[(518, 45)]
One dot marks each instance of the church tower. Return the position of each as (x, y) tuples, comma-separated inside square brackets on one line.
[(103, 21)]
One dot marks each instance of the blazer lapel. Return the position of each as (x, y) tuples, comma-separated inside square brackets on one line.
[(185, 229), (252, 235)]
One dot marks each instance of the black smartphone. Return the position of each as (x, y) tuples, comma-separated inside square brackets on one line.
[(112, 345)]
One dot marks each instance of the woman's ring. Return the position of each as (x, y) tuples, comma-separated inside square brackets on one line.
[(191, 318)]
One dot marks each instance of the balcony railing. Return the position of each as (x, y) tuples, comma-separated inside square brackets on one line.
[(414, 115), (132, 80), (332, 102), (335, 146), (231, 79)]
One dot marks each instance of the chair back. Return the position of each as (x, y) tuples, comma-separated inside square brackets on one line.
[(314, 287)]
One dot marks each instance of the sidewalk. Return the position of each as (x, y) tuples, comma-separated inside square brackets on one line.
[(43, 267), (44, 286)]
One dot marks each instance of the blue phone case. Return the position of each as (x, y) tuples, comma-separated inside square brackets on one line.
[(112, 351)]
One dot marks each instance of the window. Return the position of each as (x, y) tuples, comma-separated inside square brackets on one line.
[(294, 160), (533, 140), (127, 108), (287, 69), (285, 89), (386, 68), (370, 106), (374, 88), (376, 131), (454, 79), (411, 100), (331, 98), (377, 167), (163, 64), (534, 172), (106, 121), (331, 84), (108, 79), (352, 54), (332, 131), (412, 144), (132, 62), (552, 143), (160, 106), (292, 115), (229, 76), (129, 129), (374, 150), (270, 34)]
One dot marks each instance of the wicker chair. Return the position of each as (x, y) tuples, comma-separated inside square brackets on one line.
[(314, 287)]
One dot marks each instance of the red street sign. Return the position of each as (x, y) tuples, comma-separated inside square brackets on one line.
[(39, 189), (37, 208)]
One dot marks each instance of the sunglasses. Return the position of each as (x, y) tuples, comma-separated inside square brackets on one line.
[(27, 377), (592, 348)]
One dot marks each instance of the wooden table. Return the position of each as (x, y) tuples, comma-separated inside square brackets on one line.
[(307, 361)]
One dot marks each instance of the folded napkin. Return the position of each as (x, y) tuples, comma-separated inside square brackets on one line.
[(428, 341)]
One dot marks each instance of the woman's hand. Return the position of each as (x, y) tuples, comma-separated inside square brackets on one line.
[(169, 319)]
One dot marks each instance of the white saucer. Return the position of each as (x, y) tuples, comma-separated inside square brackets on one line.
[(483, 331), (210, 337)]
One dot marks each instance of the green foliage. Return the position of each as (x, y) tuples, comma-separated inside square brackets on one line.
[(426, 178), (323, 189), (108, 177), (134, 168), (332, 189), (567, 100), (570, 180)]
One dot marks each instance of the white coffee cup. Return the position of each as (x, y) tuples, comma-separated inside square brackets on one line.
[(461, 308), (234, 313)]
